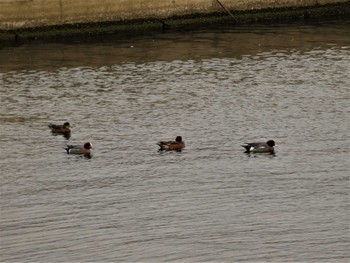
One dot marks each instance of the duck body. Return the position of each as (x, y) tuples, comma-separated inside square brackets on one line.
[(260, 147), (85, 149), (176, 145), (60, 129)]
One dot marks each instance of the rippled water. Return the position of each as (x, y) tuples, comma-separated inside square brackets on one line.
[(210, 202)]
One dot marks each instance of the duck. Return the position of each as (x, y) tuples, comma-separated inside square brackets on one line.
[(260, 147), (176, 145), (60, 129), (85, 149)]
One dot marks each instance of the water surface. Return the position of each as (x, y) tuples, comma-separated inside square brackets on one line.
[(210, 202)]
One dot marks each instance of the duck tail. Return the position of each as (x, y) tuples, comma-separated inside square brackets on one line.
[(247, 148), (161, 145), (68, 147)]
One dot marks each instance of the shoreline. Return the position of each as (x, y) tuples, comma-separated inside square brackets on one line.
[(173, 24)]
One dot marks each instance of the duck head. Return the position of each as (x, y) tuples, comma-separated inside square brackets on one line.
[(270, 143), (88, 146)]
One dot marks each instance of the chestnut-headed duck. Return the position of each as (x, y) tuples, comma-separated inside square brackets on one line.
[(176, 145), (260, 147), (80, 149)]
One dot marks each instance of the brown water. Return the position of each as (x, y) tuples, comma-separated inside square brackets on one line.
[(210, 202)]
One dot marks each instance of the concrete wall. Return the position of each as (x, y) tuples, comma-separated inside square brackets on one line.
[(35, 13)]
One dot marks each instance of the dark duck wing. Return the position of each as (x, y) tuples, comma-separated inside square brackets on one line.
[(55, 126)]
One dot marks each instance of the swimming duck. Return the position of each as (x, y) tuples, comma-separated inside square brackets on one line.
[(176, 145), (80, 149), (260, 147), (60, 129)]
